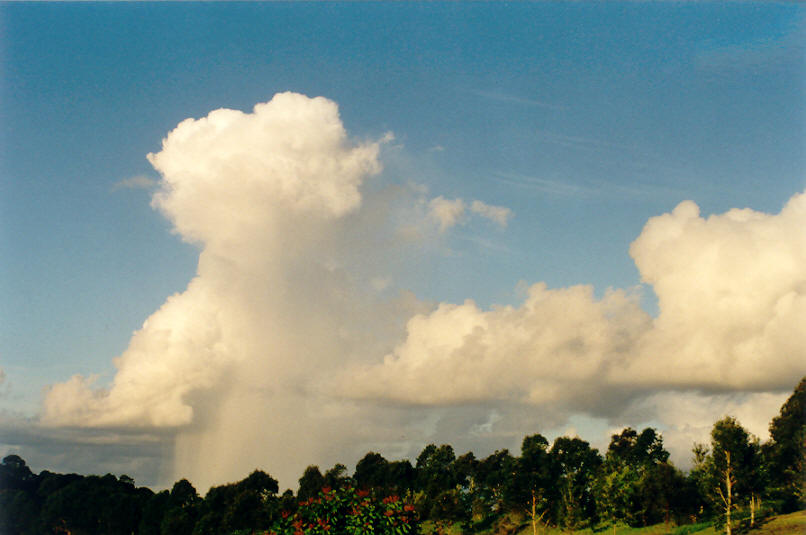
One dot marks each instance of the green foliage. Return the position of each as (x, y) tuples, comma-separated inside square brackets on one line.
[(337, 476), (574, 467), (494, 474), (311, 481), (372, 471), (435, 469), (533, 474), (249, 504), (567, 486), (785, 454), (617, 493), (637, 485), (347, 511)]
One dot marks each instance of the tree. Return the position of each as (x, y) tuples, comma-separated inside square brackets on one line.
[(574, 467), (786, 452), (637, 485), (435, 470), (637, 449), (14, 473), (662, 490), (495, 474), (371, 471), (616, 491), (153, 512), (729, 475), (182, 513), (337, 476), (18, 506), (730, 470), (401, 476), (250, 504), (532, 479), (310, 483)]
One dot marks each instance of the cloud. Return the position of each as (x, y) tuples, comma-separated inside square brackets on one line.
[(451, 212), (142, 455), (263, 195), (727, 339), (732, 295), (551, 350), (552, 187), (689, 416), (287, 335), (511, 99), (446, 212), (135, 182), (379, 284), (755, 56), (497, 214)]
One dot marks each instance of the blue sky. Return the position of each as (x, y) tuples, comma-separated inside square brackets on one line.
[(585, 120)]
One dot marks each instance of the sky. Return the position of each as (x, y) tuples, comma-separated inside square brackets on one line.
[(267, 235)]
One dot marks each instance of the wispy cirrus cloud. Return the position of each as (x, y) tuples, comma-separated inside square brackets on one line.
[(757, 55), (582, 188), (514, 99), (546, 185), (583, 142)]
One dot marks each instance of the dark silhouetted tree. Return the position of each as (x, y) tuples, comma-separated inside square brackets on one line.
[(310, 483), (785, 454)]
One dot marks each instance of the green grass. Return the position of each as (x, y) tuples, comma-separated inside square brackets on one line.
[(790, 524), (703, 528)]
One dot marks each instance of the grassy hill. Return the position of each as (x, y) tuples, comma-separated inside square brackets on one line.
[(790, 524)]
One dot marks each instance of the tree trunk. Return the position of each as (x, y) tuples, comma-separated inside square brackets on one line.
[(534, 514), (729, 489), (752, 509)]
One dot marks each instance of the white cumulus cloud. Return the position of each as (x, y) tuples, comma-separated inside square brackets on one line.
[(284, 340), (553, 348), (732, 300)]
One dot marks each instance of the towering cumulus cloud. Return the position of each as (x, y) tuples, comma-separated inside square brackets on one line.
[(260, 194), (283, 342)]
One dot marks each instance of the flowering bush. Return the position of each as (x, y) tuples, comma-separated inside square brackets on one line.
[(348, 511)]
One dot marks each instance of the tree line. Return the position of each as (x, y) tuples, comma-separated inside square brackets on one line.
[(567, 483)]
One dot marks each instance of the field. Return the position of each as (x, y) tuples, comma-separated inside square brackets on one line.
[(790, 524)]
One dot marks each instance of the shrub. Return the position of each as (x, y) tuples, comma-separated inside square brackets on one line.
[(347, 511)]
